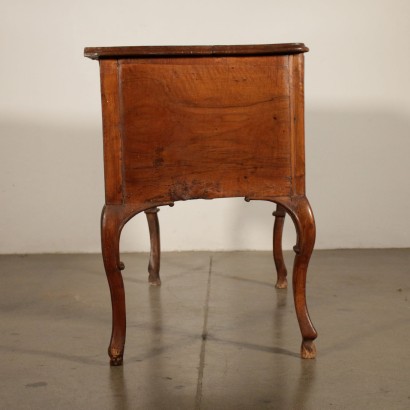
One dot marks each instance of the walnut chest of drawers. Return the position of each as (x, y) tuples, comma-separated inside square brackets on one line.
[(189, 122)]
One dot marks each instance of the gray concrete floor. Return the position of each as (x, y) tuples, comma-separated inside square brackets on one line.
[(56, 320)]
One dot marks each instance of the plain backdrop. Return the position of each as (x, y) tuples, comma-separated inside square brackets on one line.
[(357, 120)]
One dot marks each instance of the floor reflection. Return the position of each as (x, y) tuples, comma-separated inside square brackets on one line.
[(157, 389), (118, 386), (260, 373), (305, 383)]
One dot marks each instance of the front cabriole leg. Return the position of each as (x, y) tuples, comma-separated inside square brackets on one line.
[(301, 213), (113, 219), (111, 224), (299, 209)]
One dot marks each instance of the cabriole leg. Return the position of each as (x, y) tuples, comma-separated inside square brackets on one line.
[(155, 254), (110, 240), (112, 220), (302, 215), (279, 215)]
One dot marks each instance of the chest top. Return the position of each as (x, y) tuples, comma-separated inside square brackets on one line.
[(96, 53)]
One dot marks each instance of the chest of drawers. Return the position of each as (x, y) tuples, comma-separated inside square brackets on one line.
[(189, 122)]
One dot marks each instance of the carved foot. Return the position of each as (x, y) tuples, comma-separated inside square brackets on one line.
[(116, 356), (308, 349), (282, 283), (116, 360), (279, 215), (153, 281)]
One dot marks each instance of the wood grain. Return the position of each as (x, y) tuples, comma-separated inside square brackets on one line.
[(221, 138), (296, 71)]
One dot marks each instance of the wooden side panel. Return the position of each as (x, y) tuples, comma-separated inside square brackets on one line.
[(205, 127), (296, 69), (112, 131)]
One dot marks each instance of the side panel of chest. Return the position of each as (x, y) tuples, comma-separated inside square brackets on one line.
[(205, 127)]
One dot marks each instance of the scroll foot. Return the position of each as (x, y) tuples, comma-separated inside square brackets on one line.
[(281, 284), (308, 349), (116, 357)]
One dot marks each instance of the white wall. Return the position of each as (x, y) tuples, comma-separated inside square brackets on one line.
[(357, 120)]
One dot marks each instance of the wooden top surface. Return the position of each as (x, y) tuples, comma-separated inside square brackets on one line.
[(96, 53)]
